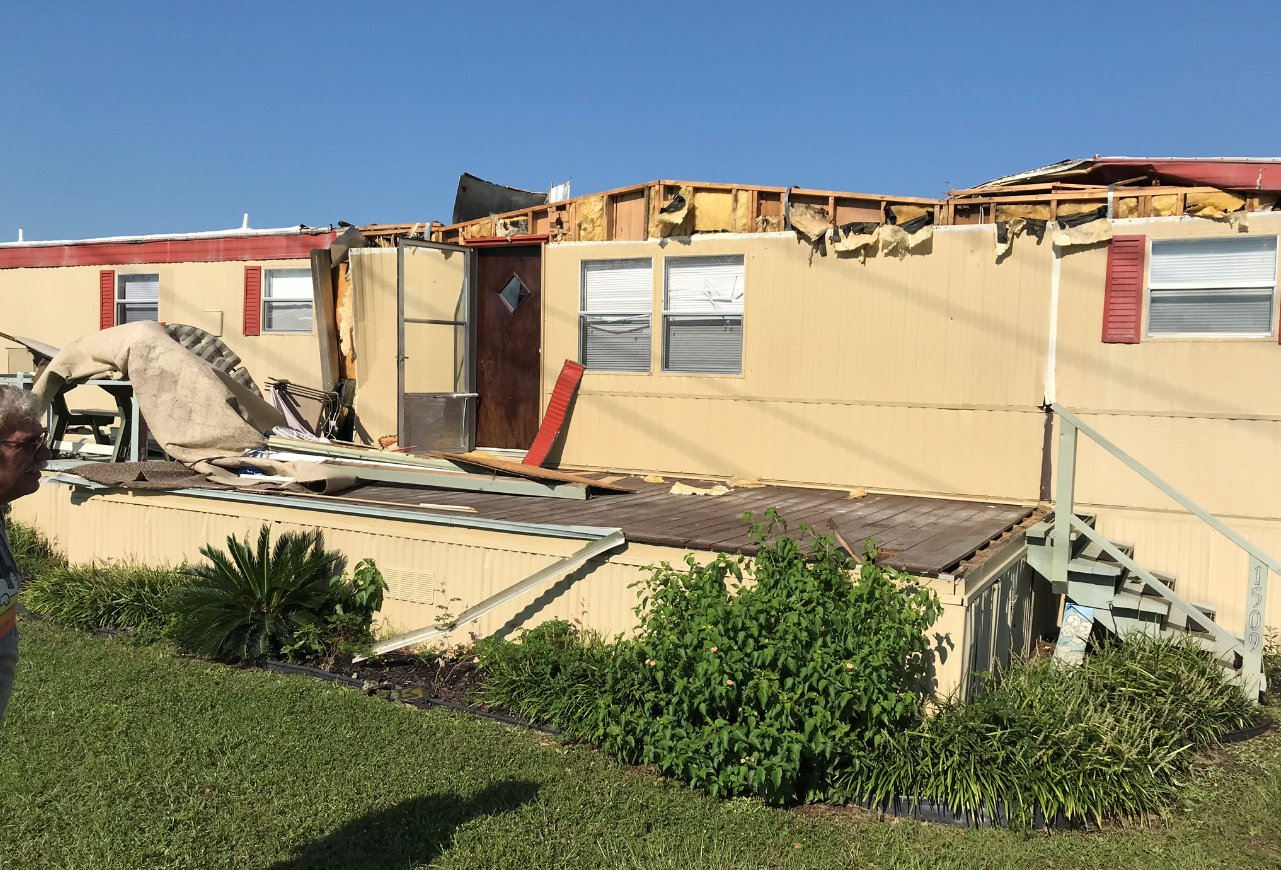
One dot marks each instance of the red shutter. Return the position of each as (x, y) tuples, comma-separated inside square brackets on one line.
[(106, 299), (253, 300), (1123, 290)]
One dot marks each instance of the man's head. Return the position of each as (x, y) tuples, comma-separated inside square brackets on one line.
[(23, 446)]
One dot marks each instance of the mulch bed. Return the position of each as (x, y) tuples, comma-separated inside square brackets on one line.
[(444, 679)]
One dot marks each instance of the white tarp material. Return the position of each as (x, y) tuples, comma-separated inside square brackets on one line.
[(199, 415)]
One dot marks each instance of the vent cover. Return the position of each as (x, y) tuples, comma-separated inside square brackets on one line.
[(416, 587)]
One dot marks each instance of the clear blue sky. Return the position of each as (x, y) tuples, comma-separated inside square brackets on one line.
[(141, 117)]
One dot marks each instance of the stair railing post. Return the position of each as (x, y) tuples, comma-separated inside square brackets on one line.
[(1065, 490), (1256, 599)]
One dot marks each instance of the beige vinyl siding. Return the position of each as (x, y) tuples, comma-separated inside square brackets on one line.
[(425, 565), (58, 305), (895, 374), (1201, 412)]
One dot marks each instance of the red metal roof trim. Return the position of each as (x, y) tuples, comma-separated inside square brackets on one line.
[(496, 241), (275, 247)]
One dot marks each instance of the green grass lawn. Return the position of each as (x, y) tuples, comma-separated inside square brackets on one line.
[(132, 757)]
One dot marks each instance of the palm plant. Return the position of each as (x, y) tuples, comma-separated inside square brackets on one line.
[(246, 603)]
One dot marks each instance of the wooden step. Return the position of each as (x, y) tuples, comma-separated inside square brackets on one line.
[(1179, 621), (1091, 590), (1152, 608), (1138, 587), (1092, 560)]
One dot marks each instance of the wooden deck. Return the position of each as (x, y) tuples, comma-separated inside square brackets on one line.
[(921, 535)]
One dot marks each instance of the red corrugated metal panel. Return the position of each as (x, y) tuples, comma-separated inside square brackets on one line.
[(253, 300), (1238, 175), (161, 251), (106, 299), (1123, 290), (570, 374)]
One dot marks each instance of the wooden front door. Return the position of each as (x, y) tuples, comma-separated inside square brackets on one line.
[(508, 345)]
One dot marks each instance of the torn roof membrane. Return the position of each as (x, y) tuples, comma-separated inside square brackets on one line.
[(1230, 173)]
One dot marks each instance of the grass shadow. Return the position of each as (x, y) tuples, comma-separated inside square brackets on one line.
[(410, 834)]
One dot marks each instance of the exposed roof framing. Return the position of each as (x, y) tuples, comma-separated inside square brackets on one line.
[(627, 213)]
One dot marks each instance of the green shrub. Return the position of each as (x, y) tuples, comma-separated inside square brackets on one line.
[(345, 629), (1112, 738), (103, 596), (33, 552), (770, 687), (249, 603), (554, 674)]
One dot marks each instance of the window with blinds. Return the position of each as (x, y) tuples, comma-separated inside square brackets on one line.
[(703, 315), (137, 298), (1218, 286), (614, 318), (286, 300)]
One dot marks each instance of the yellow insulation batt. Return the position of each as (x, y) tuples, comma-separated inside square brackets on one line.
[(714, 211), (591, 219), (664, 225)]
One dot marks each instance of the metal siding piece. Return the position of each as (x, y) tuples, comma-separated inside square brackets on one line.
[(1123, 290), (566, 385), (538, 578)]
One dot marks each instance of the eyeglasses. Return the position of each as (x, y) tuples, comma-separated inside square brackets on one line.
[(29, 445)]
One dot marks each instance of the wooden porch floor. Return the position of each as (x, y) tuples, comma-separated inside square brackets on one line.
[(921, 535)]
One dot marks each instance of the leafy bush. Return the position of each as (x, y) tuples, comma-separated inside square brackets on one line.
[(555, 674), (345, 630), (759, 688), (99, 596), (1110, 738), (805, 683), (33, 552), (250, 603)]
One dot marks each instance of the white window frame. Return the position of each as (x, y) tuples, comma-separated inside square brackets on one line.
[(1154, 246), (123, 302), (726, 310), (268, 299), (590, 315)]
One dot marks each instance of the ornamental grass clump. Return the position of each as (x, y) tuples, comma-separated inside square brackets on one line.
[(1111, 739), (555, 674), (765, 676), (32, 551), (103, 596)]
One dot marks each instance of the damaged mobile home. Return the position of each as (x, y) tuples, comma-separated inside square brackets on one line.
[(998, 387)]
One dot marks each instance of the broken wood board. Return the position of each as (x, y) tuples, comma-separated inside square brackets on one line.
[(465, 481), (365, 454), (452, 508), (484, 460)]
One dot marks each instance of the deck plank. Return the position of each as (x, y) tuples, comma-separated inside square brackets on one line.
[(923, 535)]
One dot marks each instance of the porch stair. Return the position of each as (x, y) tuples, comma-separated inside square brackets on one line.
[(1124, 602), (1120, 594)]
